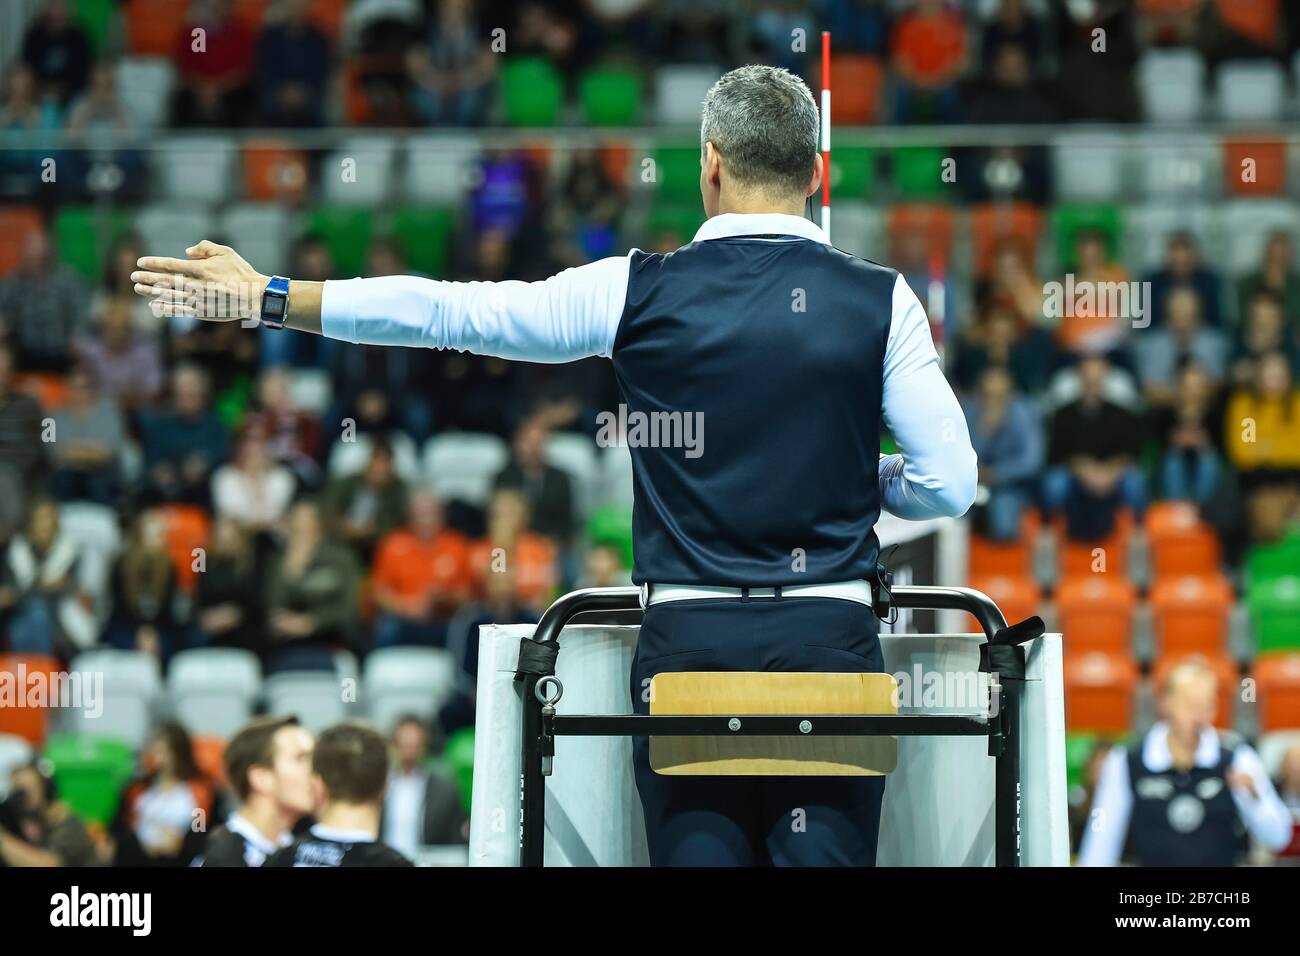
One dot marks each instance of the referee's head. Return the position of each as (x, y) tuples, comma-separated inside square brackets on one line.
[(758, 140)]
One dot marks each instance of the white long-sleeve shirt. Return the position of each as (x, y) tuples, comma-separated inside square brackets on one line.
[(1266, 817), (576, 314)]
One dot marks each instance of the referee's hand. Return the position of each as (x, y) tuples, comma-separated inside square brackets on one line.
[(214, 283)]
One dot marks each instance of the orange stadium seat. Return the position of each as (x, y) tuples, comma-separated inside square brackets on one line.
[(153, 25), (994, 223), (328, 16), (1254, 167), (209, 754), (935, 220), (1018, 597), (1191, 614), (1013, 559), (1081, 558), (857, 82), (274, 171), (1277, 683), (16, 224), (251, 12), (1099, 692), (187, 529), (1180, 542), (47, 388), (21, 720), (1225, 669), (1096, 613)]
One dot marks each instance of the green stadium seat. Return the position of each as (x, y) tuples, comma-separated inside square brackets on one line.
[(91, 773), (1078, 749), (1274, 606), (678, 219), (917, 173), (458, 758), (347, 232), (610, 96), (853, 173), (99, 19), (532, 92), (425, 235), (83, 235), (677, 173), (1267, 561), (611, 526), (1068, 219)]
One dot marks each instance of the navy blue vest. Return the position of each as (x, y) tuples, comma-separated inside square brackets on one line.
[(1184, 817), (774, 351)]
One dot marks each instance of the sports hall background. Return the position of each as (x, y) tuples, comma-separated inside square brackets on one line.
[(347, 499)]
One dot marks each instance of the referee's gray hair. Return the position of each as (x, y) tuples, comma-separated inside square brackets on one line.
[(763, 121)]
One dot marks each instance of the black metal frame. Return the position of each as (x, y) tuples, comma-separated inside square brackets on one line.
[(541, 724)]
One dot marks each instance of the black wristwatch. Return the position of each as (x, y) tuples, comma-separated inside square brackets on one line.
[(275, 302)]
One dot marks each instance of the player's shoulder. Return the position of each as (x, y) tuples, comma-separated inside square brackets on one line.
[(374, 854), (224, 847)]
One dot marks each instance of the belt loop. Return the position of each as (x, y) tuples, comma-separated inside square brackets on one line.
[(744, 594), (776, 591)]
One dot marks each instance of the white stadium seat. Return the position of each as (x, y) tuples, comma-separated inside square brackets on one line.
[(575, 455), (1171, 84), (145, 85), (14, 752), (1175, 166), (360, 172), (212, 690), (1250, 91), (462, 465), (196, 169), (440, 169), (1245, 227), (262, 232), (406, 680), (314, 697), (1090, 166), (350, 457), (680, 90), (1148, 228), (616, 475), (170, 229), (859, 229)]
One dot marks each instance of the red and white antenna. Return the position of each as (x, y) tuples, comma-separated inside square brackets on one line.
[(826, 133)]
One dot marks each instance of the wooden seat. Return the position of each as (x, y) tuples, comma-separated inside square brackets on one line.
[(741, 693)]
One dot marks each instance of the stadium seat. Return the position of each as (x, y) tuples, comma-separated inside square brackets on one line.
[(1274, 560), (1069, 219), (96, 529), (187, 530), (209, 754), (84, 234), (1245, 227), (532, 92), (361, 172), (48, 388), (611, 526), (144, 84), (274, 171), (853, 175), (1254, 166), (917, 173), (616, 476), (1084, 559), (1148, 228), (1171, 85), (14, 753), (1013, 559), (99, 19), (16, 224), (458, 757), (678, 220), (1190, 614), (347, 232), (314, 697), (168, 230), (610, 96), (1179, 542), (680, 90), (262, 232), (195, 169), (1250, 91), (212, 690), (439, 169), (350, 457), (1274, 606), (575, 455), (1224, 668), (123, 716), (677, 173), (1017, 596), (91, 773), (30, 721), (463, 465), (311, 390), (406, 680), (1090, 167), (1099, 692), (1096, 613), (1277, 682), (857, 82), (994, 223), (1178, 166), (152, 26), (124, 672), (936, 220), (426, 238), (859, 229)]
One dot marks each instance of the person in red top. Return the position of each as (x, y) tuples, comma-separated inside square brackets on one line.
[(928, 53), (420, 577), (214, 66), (509, 544)]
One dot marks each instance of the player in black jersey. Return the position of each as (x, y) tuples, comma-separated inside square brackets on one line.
[(268, 764), (350, 771)]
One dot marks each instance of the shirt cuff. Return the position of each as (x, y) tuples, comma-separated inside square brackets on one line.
[(338, 308)]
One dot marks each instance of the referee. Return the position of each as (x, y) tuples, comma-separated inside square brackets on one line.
[(753, 546)]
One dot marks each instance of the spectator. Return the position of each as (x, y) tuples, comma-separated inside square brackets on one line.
[(452, 73), (126, 363), (100, 109), (22, 454), (1189, 431), (25, 109), (1009, 93), (1095, 326), (37, 828), (1263, 334), (1288, 788), (1237, 31), (1092, 453), (1008, 438), (214, 66), (183, 443), (1096, 53), (511, 543), (859, 26), (227, 597), (293, 435), (42, 307), (421, 808), (1276, 277), (88, 431), (144, 591), (292, 69), (252, 488), (928, 53), (162, 820), (1162, 352), (312, 261), (41, 599), (547, 489), (1013, 285), (57, 52), (116, 286), (1262, 431), (312, 595), (1182, 269), (421, 575), (604, 568), (997, 340), (1014, 24), (361, 509)]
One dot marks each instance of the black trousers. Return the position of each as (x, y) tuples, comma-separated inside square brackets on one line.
[(756, 821)]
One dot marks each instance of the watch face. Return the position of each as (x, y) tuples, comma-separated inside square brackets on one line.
[(273, 305)]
